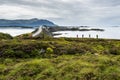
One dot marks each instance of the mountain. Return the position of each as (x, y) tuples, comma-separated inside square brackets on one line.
[(25, 23)]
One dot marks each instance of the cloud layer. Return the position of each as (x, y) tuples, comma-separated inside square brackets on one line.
[(64, 12)]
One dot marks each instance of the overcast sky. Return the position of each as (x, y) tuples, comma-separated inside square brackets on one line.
[(64, 12)]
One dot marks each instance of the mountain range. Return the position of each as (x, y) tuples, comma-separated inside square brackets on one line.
[(25, 22)]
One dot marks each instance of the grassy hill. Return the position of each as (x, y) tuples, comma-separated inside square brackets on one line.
[(59, 59), (5, 36)]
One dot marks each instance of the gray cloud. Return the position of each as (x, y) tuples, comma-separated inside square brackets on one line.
[(106, 2), (64, 12)]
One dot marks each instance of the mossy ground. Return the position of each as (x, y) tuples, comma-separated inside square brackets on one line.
[(64, 67), (61, 59)]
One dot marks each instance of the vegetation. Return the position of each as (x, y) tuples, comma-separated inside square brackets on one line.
[(59, 59), (65, 67), (5, 36), (20, 48)]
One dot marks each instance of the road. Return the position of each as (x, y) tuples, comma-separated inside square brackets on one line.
[(37, 32)]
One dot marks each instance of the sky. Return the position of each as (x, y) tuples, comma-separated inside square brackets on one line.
[(64, 12)]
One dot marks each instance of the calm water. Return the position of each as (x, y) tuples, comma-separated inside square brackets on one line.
[(110, 32), (16, 31)]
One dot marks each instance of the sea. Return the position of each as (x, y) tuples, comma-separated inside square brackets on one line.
[(14, 31), (108, 33)]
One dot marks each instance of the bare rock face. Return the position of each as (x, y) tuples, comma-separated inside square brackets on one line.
[(41, 32)]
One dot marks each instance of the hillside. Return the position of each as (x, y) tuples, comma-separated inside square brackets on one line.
[(66, 67), (59, 59), (25, 23), (5, 36)]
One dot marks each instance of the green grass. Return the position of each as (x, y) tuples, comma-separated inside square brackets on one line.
[(65, 67), (28, 48), (5, 36), (59, 59)]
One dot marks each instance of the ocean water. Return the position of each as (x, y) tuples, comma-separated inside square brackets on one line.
[(16, 31), (109, 33)]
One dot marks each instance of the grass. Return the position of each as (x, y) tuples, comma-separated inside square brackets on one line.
[(64, 67), (59, 59)]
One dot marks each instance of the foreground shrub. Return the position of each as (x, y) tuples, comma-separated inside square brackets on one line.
[(5, 36), (115, 50), (8, 53), (32, 69), (49, 52)]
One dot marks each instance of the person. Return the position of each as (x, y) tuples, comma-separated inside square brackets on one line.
[(82, 36), (89, 36), (97, 36), (77, 35)]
